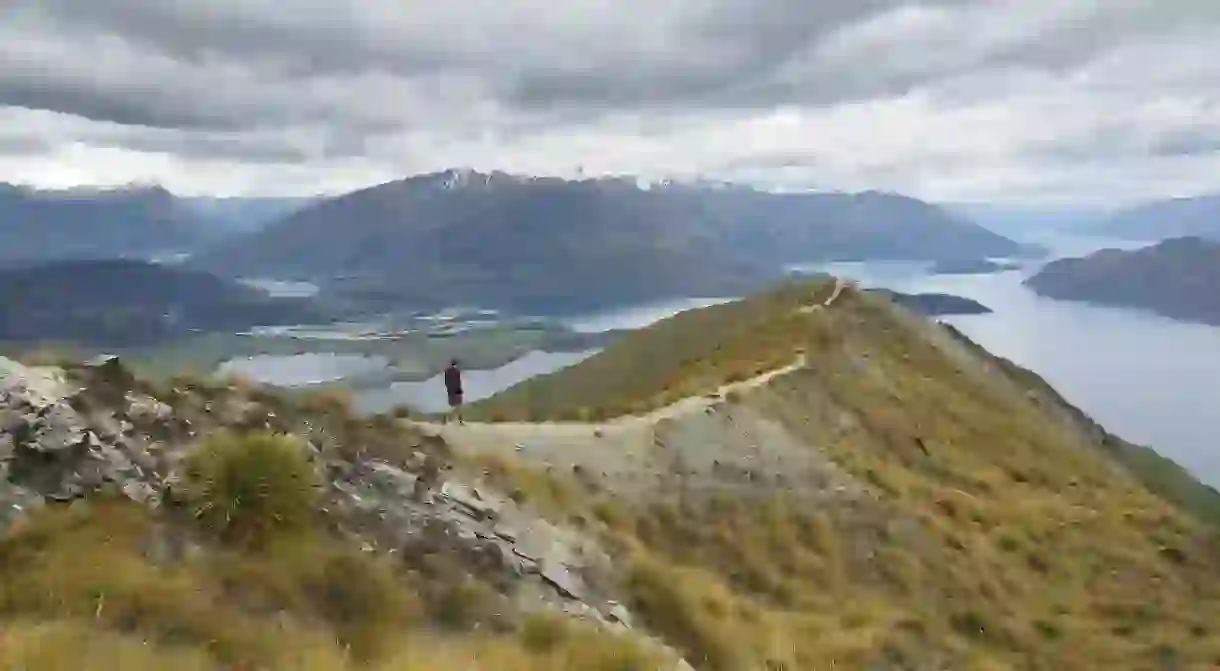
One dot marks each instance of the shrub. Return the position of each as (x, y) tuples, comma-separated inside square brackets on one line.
[(247, 488)]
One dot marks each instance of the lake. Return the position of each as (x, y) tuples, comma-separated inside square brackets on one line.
[(281, 288), (303, 370), (429, 395), (637, 316), (1149, 379)]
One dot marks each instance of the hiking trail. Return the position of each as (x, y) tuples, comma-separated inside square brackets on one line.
[(699, 441)]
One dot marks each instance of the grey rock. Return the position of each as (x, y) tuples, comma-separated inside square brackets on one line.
[(107, 426), (55, 428), (109, 369), (506, 532), (618, 613), (527, 554), (390, 480), (472, 499), (558, 576), (148, 409), (35, 387), (141, 492)]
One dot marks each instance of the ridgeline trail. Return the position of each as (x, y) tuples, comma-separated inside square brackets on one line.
[(696, 438), (680, 407)]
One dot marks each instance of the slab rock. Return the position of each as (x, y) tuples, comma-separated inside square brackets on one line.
[(50, 450)]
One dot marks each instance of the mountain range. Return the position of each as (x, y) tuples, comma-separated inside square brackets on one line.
[(235, 215), (93, 224), (118, 303), (553, 244), (1177, 278), (138, 222), (1161, 219)]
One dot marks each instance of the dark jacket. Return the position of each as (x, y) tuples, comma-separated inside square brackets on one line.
[(453, 380)]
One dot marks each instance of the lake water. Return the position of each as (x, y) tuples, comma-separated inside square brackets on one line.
[(282, 289), (1150, 379), (1147, 378), (301, 370), (429, 395), (637, 316)]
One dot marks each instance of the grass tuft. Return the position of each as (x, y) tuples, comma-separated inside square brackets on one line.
[(247, 488)]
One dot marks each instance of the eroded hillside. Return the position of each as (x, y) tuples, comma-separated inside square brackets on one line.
[(809, 479)]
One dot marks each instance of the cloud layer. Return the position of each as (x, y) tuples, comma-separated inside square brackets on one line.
[(1093, 100)]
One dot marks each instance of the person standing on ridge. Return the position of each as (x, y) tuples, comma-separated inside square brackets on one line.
[(453, 387)]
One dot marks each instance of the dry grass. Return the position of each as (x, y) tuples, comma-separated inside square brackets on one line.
[(686, 355), (87, 588), (247, 488), (1001, 536)]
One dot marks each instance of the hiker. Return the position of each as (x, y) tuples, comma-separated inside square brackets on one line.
[(453, 387)]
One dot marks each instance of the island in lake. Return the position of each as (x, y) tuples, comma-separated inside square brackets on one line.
[(972, 267), (935, 305), (1177, 278)]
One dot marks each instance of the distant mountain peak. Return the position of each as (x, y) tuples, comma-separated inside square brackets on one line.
[(452, 179), (1174, 217), (457, 178)]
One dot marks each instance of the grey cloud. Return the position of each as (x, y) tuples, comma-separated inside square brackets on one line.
[(1189, 142), (116, 106), (713, 52), (22, 145), (207, 146), (258, 60), (267, 81)]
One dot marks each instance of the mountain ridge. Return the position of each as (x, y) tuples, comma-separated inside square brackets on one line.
[(829, 481), (122, 303), (132, 221), (49, 225), (1176, 278), (461, 236), (1169, 218)]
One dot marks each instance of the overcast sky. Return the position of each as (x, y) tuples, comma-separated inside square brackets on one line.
[(1022, 100)]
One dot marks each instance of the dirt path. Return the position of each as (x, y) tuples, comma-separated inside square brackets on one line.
[(840, 284), (697, 442), (684, 406), (680, 407)]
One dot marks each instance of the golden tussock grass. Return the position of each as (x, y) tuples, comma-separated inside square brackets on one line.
[(82, 590), (1000, 536), (687, 355), (247, 577), (997, 537)]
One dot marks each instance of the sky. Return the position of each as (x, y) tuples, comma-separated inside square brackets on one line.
[(1009, 101)]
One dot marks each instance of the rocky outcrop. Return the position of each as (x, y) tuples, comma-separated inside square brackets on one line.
[(58, 444), (66, 434), (401, 510)]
